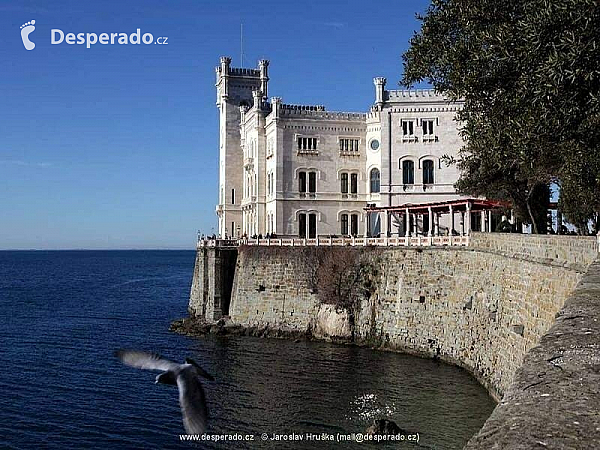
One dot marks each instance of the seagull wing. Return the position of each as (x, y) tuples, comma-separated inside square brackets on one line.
[(144, 360), (192, 401)]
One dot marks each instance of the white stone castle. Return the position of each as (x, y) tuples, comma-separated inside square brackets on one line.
[(302, 171)]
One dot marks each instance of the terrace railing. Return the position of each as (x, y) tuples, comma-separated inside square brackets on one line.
[(412, 241)]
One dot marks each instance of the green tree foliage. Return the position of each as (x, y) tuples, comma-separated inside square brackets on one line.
[(529, 74)]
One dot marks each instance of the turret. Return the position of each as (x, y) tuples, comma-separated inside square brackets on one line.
[(257, 96), (243, 109), (223, 74), (275, 106), (379, 90), (263, 66)]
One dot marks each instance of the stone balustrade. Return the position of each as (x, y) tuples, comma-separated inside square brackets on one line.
[(413, 241)]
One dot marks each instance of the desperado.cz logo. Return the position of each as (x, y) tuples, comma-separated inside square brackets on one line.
[(58, 36), (89, 39), (26, 29)]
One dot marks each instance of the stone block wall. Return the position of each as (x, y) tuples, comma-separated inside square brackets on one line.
[(272, 287), (212, 283), (481, 307), (479, 310), (577, 252), (553, 399), (199, 289)]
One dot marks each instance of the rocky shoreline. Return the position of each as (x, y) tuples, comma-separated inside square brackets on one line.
[(194, 327), (197, 327)]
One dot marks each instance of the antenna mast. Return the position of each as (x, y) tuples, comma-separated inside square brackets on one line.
[(241, 45)]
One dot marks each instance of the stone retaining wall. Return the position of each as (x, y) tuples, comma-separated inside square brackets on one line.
[(271, 287), (476, 309), (483, 308), (577, 252), (553, 401)]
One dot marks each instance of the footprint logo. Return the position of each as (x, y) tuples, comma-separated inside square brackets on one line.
[(26, 30)]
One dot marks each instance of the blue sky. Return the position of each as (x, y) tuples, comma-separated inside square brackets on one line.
[(115, 146)]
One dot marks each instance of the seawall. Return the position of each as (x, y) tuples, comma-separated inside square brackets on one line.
[(484, 308), (210, 294)]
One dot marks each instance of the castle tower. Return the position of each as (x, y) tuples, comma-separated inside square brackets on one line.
[(234, 89)]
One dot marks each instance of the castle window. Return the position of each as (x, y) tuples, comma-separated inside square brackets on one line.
[(428, 135), (307, 144), (344, 183), (354, 224), (408, 128), (312, 182), (312, 226), (302, 182), (428, 171), (408, 172), (353, 183), (233, 196), (375, 181), (349, 145), (302, 225), (344, 229), (309, 231), (307, 182), (427, 127)]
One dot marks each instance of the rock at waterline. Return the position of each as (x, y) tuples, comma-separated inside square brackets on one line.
[(384, 427)]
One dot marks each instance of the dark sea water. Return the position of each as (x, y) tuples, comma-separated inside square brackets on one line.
[(62, 315)]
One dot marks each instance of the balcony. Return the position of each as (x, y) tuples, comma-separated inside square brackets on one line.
[(307, 152)]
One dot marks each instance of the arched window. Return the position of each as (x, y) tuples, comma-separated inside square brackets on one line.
[(312, 226), (375, 181), (302, 225), (354, 224), (312, 182), (344, 183), (408, 172), (302, 182), (344, 229), (428, 171)]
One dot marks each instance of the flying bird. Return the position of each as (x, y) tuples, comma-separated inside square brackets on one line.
[(184, 376)]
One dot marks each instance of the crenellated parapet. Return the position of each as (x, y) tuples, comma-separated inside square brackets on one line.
[(303, 107), (239, 71), (317, 111), (374, 115), (415, 95), (225, 69)]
